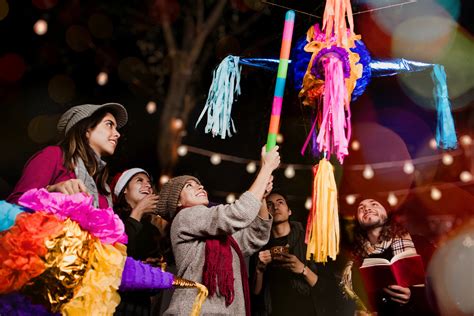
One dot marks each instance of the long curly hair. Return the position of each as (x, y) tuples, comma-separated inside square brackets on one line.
[(390, 229)]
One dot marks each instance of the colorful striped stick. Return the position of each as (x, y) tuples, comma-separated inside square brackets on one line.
[(281, 79)]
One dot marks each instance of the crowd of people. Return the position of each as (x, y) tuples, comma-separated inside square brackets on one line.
[(249, 254)]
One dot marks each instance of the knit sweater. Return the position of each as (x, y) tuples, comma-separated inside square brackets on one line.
[(188, 235)]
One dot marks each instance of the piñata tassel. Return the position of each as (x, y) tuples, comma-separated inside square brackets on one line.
[(332, 136), (334, 21), (322, 229), (140, 276), (445, 131), (224, 89)]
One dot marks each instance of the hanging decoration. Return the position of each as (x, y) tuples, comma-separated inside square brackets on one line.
[(59, 254)]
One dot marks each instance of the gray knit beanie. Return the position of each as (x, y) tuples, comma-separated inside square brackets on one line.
[(169, 196), (79, 112)]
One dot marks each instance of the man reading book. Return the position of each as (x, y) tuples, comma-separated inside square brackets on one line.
[(376, 235)]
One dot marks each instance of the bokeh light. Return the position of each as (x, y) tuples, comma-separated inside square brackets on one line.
[(13, 67), (465, 140), (451, 271), (4, 9), (40, 27), (177, 123), (355, 145), (279, 138), (42, 129), (61, 89), (408, 167), (44, 4), (350, 199), (230, 198), (216, 159), (435, 194), (151, 107), (78, 38), (100, 26), (164, 178), (465, 176), (182, 150), (102, 78), (368, 172), (447, 159), (308, 203), (289, 172), (251, 167), (392, 199)]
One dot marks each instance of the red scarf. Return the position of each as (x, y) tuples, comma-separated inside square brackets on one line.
[(217, 270)]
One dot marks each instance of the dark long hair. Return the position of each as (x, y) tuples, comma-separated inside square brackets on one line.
[(75, 145)]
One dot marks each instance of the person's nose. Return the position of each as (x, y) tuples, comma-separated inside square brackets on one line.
[(116, 133)]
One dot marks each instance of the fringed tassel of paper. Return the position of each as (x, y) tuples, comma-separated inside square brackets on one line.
[(200, 298), (322, 229), (445, 131), (141, 276), (334, 21), (224, 89), (332, 136)]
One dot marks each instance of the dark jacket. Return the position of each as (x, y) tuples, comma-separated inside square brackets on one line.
[(325, 298)]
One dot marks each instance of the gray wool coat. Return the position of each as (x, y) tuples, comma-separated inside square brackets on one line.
[(189, 229)]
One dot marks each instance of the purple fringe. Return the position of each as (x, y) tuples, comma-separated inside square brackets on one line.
[(16, 304), (141, 276), (340, 52)]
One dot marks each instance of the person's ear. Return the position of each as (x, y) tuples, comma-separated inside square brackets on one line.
[(179, 203), (289, 212), (88, 133)]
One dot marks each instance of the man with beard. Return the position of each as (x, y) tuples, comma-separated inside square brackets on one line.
[(376, 235), (284, 282)]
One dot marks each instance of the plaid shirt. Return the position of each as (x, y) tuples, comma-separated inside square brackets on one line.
[(397, 244)]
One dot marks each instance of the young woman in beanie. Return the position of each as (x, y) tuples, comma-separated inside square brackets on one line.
[(210, 243), (89, 133), (135, 202)]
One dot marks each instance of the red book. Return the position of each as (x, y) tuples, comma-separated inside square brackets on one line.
[(405, 269)]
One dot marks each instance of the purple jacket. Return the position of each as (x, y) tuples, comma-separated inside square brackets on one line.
[(44, 168)]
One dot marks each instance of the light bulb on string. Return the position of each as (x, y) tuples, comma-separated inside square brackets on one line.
[(392, 199), (350, 199), (308, 203), (465, 140), (355, 145), (164, 178), (251, 167), (182, 150), (435, 194), (290, 172), (408, 167), (216, 159), (433, 144), (447, 159), (465, 176), (279, 138), (368, 172), (230, 198), (177, 123), (151, 107), (40, 27), (102, 78)]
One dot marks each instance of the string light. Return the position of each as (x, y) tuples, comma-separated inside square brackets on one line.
[(447, 159), (355, 145), (102, 78), (279, 138), (392, 199), (151, 107), (465, 140), (368, 172), (350, 199), (433, 144), (40, 27), (435, 194), (230, 198), (164, 178), (308, 203), (177, 123), (251, 167), (216, 159), (408, 167), (465, 176), (290, 172), (182, 150)]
